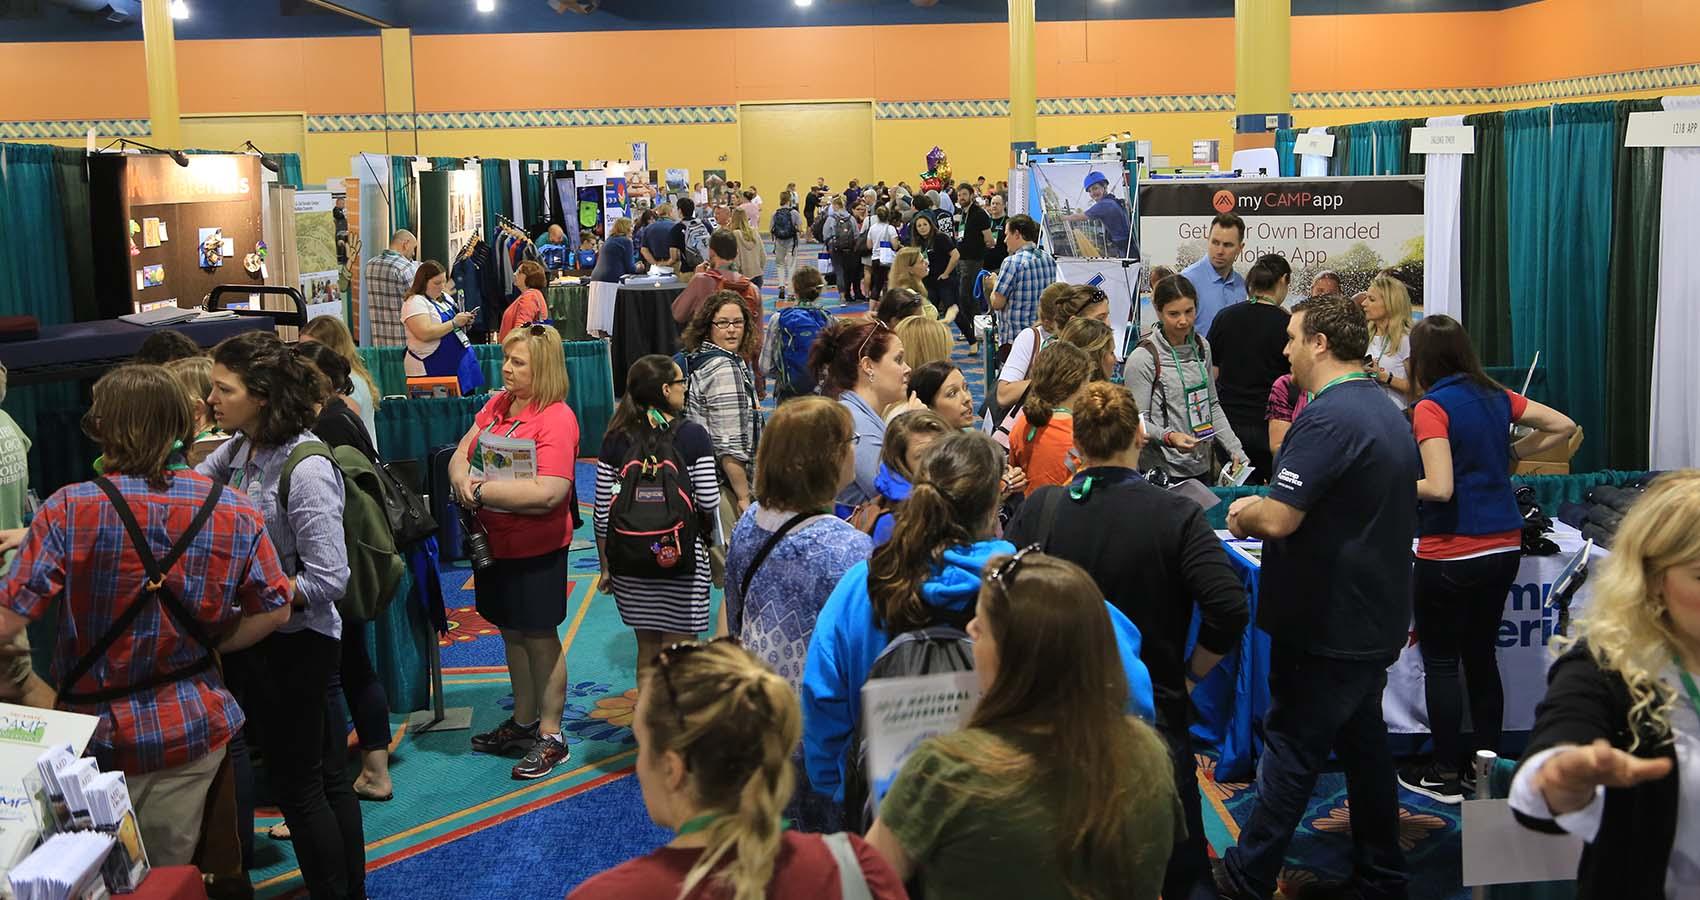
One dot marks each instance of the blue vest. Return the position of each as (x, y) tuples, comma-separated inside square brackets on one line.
[(1483, 501)]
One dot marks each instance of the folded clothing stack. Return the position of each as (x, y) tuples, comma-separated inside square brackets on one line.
[(1602, 513)]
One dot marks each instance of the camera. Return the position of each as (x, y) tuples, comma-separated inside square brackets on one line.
[(477, 542)]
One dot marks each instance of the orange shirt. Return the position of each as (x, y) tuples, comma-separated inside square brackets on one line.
[(1048, 457), (527, 308)]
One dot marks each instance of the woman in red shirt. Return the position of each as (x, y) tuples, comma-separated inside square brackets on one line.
[(715, 732), (515, 469), (531, 281)]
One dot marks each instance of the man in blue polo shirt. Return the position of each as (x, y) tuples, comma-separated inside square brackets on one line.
[(1109, 211), (1335, 599), (1213, 276)]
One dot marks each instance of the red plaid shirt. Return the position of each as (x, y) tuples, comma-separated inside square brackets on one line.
[(78, 545)]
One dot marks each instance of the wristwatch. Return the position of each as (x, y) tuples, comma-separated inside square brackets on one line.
[(478, 495)]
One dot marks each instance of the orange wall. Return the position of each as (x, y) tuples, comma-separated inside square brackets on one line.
[(312, 75), (1568, 38)]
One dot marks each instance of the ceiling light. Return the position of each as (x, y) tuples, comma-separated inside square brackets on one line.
[(804, 3), (486, 6), (179, 9)]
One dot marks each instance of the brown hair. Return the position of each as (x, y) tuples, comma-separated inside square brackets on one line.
[(894, 453), (1060, 678), (138, 417), (701, 329), (533, 276), (1092, 336), (795, 468), (330, 331), (1060, 369), (1441, 347), (836, 357), (808, 282), (951, 502), (1106, 420), (1060, 303), (422, 276), (897, 304), (1338, 319), (1172, 289), (735, 723), (272, 372)]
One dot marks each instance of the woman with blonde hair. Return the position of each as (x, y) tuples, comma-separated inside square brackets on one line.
[(926, 339), (715, 731), (1614, 757), (618, 257), (1098, 340), (194, 375), (752, 257), (330, 331), (1387, 306)]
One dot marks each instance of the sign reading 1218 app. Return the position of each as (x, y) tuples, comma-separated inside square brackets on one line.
[(1354, 227)]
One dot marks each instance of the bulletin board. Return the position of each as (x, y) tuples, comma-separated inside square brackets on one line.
[(149, 216)]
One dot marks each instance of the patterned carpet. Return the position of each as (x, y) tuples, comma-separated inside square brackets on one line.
[(460, 827)]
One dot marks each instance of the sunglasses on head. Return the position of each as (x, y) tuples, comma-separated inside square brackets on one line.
[(879, 325), (1004, 575), (664, 664)]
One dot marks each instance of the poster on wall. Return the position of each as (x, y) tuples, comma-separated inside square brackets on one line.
[(1119, 280), (590, 203), (316, 252), (1084, 210), (566, 189), (466, 209), (678, 181), (1355, 227), (616, 202)]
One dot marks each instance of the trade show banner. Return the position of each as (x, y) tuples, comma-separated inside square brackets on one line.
[(1355, 227), (1074, 221), (1118, 279), (316, 251)]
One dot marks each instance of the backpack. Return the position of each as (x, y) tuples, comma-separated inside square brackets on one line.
[(653, 523), (374, 566), (844, 232), (783, 227), (817, 229), (942, 647), (796, 330), (696, 246)]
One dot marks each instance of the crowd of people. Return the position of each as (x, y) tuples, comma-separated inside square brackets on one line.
[(1030, 540)]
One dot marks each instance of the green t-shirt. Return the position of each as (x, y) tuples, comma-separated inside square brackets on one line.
[(14, 479), (967, 845)]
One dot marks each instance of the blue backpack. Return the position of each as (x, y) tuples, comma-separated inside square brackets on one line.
[(783, 227), (797, 329)]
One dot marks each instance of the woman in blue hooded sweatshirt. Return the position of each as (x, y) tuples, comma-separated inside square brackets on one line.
[(907, 440), (932, 565)]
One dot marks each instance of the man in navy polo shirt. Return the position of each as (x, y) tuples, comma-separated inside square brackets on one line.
[(1335, 599)]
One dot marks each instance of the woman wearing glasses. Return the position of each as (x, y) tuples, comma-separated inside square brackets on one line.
[(720, 394), (861, 364), (715, 730), (648, 422), (1052, 791)]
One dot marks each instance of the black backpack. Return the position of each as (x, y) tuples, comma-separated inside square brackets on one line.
[(653, 521), (783, 227), (940, 647), (844, 232)]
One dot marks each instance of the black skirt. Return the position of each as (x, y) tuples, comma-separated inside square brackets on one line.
[(525, 594)]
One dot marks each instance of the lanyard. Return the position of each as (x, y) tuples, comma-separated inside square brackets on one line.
[(1203, 378), (1267, 301), (1688, 686), (1349, 376), (692, 826)]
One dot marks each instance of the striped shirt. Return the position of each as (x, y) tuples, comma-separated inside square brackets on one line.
[(721, 397), (389, 279), (675, 605)]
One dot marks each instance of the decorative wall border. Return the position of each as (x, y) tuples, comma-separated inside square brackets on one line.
[(43, 129), (1662, 78)]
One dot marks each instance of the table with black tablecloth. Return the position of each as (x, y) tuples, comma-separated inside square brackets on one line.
[(567, 307), (82, 349), (643, 324)]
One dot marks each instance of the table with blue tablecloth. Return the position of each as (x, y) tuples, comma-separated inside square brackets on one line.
[(1233, 700)]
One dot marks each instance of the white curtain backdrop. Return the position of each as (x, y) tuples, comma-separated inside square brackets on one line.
[(1674, 437), (1314, 166), (518, 194), (1443, 259)]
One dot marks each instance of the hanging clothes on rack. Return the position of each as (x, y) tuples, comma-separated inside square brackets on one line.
[(474, 274), (512, 247)]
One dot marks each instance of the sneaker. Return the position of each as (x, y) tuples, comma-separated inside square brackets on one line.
[(545, 754), (1427, 781), (1467, 780), (505, 737)]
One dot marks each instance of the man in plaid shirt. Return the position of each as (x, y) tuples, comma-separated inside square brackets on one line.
[(389, 277), (168, 738), (1025, 274)]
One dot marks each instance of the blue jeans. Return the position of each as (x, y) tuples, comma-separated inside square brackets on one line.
[(1318, 705)]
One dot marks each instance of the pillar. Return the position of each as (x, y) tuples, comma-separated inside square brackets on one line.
[(1262, 69), (400, 136), (159, 48), (1023, 89)]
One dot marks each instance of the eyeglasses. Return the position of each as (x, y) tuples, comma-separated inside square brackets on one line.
[(678, 381), (879, 326), (728, 324), (1004, 575), (664, 665)]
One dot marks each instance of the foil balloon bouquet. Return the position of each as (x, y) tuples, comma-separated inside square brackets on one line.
[(937, 176)]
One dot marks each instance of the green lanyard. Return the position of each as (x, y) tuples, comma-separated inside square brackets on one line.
[(1688, 685), (1203, 377), (700, 823), (1267, 301), (1349, 376), (1033, 430)]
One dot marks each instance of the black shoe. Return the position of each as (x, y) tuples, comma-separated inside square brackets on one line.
[(505, 737), (545, 754), (1467, 780), (1428, 781)]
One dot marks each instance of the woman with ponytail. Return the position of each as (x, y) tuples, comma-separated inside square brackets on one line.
[(1042, 441), (661, 611), (1052, 791), (928, 571), (715, 730)]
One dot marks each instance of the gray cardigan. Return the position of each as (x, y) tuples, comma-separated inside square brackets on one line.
[(1163, 406)]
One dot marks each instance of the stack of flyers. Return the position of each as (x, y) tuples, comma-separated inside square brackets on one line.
[(1234, 474), (66, 867), (74, 780), (109, 806), (48, 766)]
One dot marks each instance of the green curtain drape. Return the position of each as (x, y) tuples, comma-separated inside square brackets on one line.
[(494, 173), (1583, 138), (1285, 138), (1392, 137), (289, 169), (32, 235), (531, 178), (1340, 163), (1362, 158), (1486, 279), (445, 163), (72, 180), (1528, 239), (401, 194), (1632, 292), (1415, 163)]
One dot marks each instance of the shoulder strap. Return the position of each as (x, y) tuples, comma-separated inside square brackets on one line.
[(852, 883), (301, 452), (767, 547)]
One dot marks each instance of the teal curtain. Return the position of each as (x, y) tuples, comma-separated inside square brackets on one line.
[(1528, 237), (72, 180), (1285, 138), (1486, 278), (531, 193), (289, 169), (1341, 162), (1392, 136), (495, 180), (401, 194), (1361, 161), (1582, 169), (33, 261), (1632, 292), (445, 163)]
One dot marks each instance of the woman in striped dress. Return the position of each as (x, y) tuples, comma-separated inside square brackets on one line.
[(662, 611)]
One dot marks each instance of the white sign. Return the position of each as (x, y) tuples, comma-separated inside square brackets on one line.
[(640, 154), (1444, 139), (900, 713), (1308, 144), (1680, 128), (1118, 280)]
